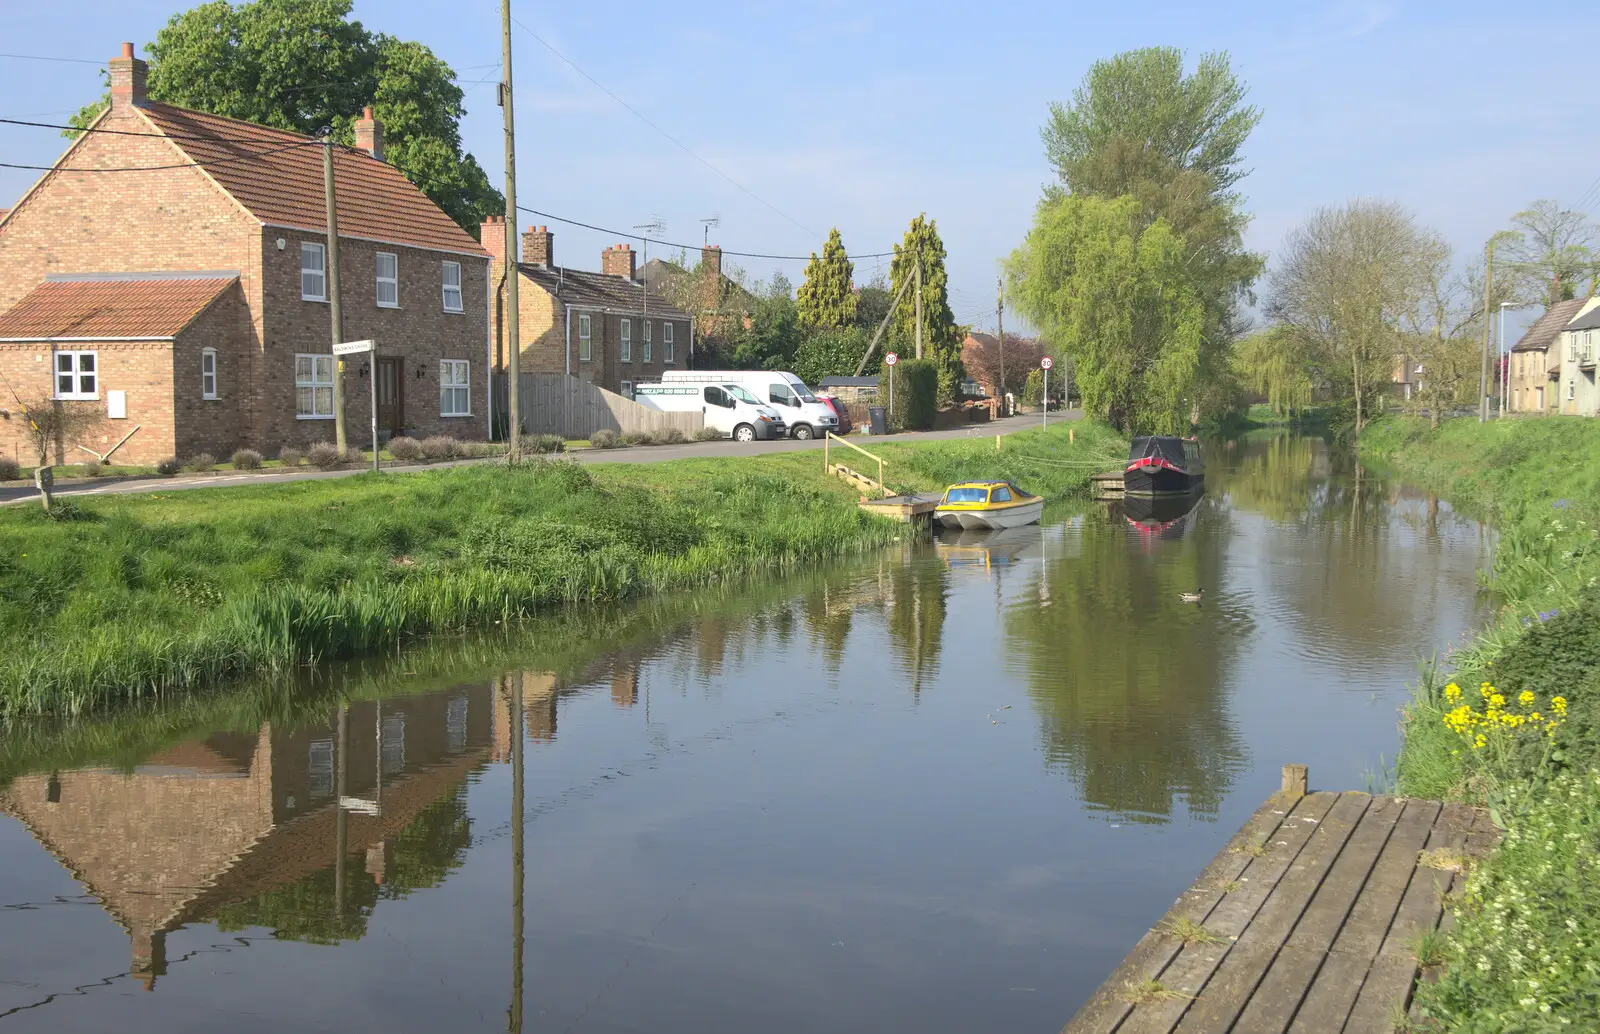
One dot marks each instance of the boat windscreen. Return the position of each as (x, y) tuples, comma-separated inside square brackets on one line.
[(967, 495)]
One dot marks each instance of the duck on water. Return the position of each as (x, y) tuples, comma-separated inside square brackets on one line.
[(1164, 465)]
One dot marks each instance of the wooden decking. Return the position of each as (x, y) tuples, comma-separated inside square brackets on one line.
[(908, 509), (1307, 922), (1106, 486)]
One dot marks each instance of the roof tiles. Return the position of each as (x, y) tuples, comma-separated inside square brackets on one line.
[(1542, 332), (117, 308)]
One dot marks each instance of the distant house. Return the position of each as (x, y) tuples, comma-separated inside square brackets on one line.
[(1577, 349), (183, 297), (851, 389), (719, 304), (606, 328), (1535, 362)]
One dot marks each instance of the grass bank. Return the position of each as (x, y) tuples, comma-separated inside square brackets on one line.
[(1513, 721), (137, 597)]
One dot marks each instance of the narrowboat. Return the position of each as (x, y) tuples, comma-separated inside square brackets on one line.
[(1164, 465), (987, 506)]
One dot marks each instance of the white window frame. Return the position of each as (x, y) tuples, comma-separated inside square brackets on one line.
[(455, 387), (585, 339), (76, 375), (667, 355), (445, 273), (320, 272), (646, 345), (627, 389), (625, 341), (208, 373), (392, 280), (314, 383)]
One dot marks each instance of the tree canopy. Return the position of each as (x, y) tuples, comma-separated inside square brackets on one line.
[(941, 341), (301, 65), (1548, 252), (826, 300)]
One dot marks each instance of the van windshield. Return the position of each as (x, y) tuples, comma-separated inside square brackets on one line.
[(740, 394), (802, 392)]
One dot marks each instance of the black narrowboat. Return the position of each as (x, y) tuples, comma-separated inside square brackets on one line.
[(1164, 465)]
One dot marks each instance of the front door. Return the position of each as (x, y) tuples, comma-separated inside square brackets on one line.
[(391, 394)]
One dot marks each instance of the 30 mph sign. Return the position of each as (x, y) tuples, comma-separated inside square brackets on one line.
[(1047, 362), (891, 358)]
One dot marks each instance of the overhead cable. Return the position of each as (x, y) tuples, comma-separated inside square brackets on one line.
[(685, 247)]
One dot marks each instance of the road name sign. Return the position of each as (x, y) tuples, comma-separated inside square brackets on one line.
[(352, 347)]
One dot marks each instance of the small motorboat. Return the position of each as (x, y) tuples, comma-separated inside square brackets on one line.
[(987, 506), (1164, 465)]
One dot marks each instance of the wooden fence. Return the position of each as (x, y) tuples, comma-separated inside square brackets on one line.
[(554, 403)]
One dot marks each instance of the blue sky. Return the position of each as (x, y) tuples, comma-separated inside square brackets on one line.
[(860, 115)]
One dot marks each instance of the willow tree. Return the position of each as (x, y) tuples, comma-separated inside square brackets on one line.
[(941, 342), (1273, 365), (1117, 296), (826, 299)]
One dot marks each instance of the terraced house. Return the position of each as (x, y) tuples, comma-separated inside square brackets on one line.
[(169, 275)]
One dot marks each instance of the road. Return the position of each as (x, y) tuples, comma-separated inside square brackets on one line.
[(638, 454)]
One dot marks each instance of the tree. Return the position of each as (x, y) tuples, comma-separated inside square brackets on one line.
[(1271, 364), (773, 335), (1346, 283), (827, 300), (983, 358), (51, 427), (872, 304), (940, 341), (1116, 298), (1443, 333), (831, 353), (301, 65), (1548, 251)]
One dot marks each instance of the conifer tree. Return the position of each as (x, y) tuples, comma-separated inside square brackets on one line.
[(827, 300)]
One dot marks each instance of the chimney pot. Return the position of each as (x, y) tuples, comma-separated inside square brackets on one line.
[(127, 49), (618, 261)]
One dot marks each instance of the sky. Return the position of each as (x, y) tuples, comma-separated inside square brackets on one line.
[(787, 119)]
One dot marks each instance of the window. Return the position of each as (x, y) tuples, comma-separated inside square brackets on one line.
[(1000, 495), (743, 396), (77, 375), (319, 766), (627, 389), (452, 287), (313, 273), (715, 396), (455, 387), (313, 387), (647, 341), (389, 281), (666, 343), (585, 345), (781, 395), (208, 373), (627, 341), (392, 741)]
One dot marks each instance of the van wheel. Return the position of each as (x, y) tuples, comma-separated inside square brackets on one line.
[(744, 433), (803, 432)]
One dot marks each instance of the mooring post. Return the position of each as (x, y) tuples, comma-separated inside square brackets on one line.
[(1071, 435), (996, 443), (1294, 782)]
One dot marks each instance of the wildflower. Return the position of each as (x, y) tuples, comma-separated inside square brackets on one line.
[(1451, 692), (1558, 705), (1525, 698)]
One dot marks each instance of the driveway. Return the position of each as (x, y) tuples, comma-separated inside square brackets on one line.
[(640, 454)]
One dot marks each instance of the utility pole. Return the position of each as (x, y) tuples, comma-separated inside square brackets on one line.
[(1000, 332), (518, 878), (331, 285), (919, 306), (513, 331), (1483, 375)]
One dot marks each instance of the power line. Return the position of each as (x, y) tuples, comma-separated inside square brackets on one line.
[(679, 143), (685, 247), (62, 60), (159, 168), (128, 132)]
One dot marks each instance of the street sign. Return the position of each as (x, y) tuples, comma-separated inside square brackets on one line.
[(352, 347), (891, 359), (1047, 363)]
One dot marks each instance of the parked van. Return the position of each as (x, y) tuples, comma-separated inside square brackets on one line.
[(727, 408), (806, 415)]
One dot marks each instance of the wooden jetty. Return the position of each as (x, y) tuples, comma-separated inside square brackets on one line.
[(1106, 486), (908, 509), (1307, 922)]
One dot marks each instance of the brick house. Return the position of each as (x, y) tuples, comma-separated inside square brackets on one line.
[(605, 327), (185, 294)]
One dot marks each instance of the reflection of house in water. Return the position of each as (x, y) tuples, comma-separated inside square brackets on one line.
[(205, 825)]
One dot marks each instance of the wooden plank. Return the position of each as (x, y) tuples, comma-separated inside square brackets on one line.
[(1246, 965), (1107, 1008), (1194, 964)]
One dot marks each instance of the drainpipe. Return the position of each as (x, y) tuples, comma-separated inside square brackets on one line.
[(566, 414), (488, 347)]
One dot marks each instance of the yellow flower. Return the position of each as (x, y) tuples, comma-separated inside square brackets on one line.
[(1452, 692), (1496, 700), (1480, 742), (1525, 698), (1558, 705)]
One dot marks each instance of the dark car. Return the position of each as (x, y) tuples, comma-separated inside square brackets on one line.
[(845, 426)]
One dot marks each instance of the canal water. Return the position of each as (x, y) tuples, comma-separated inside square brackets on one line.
[(941, 790)]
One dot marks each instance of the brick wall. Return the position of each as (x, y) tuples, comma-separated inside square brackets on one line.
[(143, 369), (220, 425)]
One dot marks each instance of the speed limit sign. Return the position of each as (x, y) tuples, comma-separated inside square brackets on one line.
[(1047, 362), (891, 358)]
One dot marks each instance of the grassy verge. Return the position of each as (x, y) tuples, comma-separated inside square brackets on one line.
[(136, 597), (1516, 724)]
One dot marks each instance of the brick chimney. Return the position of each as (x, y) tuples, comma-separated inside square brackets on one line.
[(538, 246), (711, 260), (128, 74), (492, 235), (618, 261), (369, 133)]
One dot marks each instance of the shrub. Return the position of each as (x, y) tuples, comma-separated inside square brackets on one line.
[(546, 443), (325, 456), (245, 459), (477, 450), (708, 434), (201, 462), (605, 438), (670, 436), (637, 438), (291, 456), (440, 447), (916, 393), (406, 450), (168, 467), (10, 470), (91, 468)]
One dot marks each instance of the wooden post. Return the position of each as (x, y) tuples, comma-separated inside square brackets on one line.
[(997, 443), (1071, 435), (1294, 782), (44, 480)]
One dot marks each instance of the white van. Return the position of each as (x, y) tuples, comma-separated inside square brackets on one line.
[(806, 415), (727, 407)]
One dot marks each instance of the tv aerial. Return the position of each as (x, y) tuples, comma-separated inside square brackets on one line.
[(710, 223)]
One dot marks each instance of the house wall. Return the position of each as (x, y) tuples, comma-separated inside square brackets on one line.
[(143, 369), (212, 425), (1529, 373), (607, 370), (1580, 395)]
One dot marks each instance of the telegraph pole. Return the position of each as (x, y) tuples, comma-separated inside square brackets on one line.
[(513, 331), (331, 285), (1000, 332), (919, 306), (1483, 375)]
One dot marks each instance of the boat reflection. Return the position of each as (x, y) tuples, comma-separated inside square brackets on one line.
[(988, 550), (1161, 517)]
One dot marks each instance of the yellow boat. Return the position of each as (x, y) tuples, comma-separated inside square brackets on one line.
[(987, 506)]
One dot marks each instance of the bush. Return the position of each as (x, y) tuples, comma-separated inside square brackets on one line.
[(1033, 388), (325, 456), (245, 459), (168, 467), (440, 447), (478, 450), (605, 438), (91, 468), (638, 438), (405, 450), (201, 462), (670, 436), (290, 456), (916, 393), (10, 470), (547, 443), (708, 434)]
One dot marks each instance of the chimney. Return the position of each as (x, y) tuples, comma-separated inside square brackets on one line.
[(711, 260), (538, 246), (369, 133), (127, 80), (617, 261), (149, 955), (492, 235)]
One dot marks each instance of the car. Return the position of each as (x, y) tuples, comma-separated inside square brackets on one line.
[(836, 404)]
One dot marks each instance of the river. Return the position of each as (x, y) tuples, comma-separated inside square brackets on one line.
[(944, 789)]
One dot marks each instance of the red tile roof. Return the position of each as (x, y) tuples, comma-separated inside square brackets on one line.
[(280, 181), (111, 308)]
